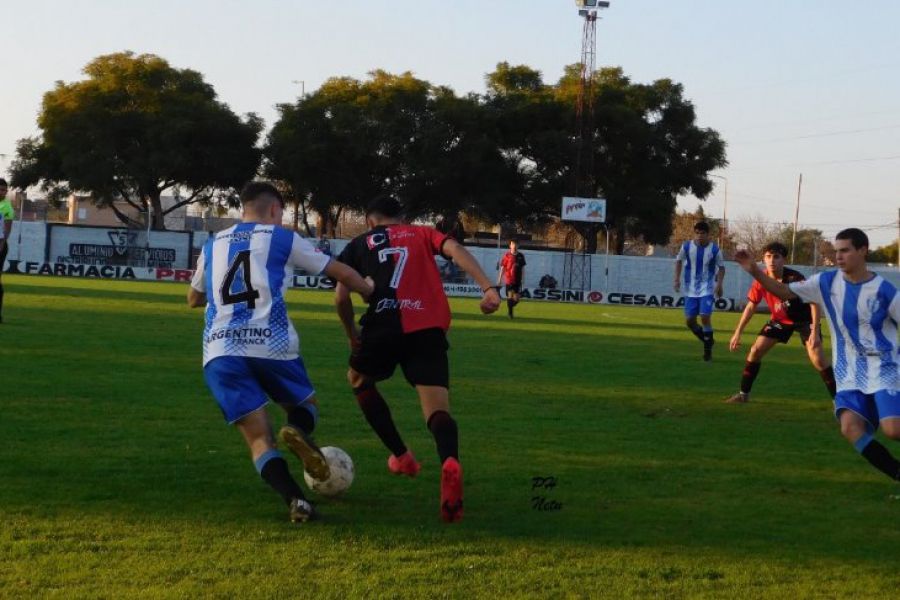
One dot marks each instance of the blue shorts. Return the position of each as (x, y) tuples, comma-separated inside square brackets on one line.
[(242, 384), (699, 306), (883, 404)]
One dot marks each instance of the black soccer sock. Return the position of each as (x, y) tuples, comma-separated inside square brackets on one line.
[(878, 456), (697, 331), (509, 306), (274, 471), (707, 334), (302, 419), (827, 376), (377, 413), (446, 434), (751, 370), (1, 297)]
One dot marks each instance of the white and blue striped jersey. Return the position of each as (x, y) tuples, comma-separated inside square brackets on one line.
[(863, 318), (244, 272), (699, 267)]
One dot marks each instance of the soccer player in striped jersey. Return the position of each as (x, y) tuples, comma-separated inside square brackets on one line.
[(700, 271), (406, 325), (788, 316), (863, 312), (250, 348)]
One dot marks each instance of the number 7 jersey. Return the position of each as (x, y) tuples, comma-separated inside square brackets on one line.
[(409, 295), (244, 271)]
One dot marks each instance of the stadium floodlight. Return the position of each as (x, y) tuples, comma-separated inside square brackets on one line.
[(591, 4)]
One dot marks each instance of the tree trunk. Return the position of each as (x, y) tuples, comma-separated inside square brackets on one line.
[(297, 215), (620, 239), (589, 233), (159, 219)]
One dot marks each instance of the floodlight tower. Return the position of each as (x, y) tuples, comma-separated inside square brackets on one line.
[(584, 109), (577, 268)]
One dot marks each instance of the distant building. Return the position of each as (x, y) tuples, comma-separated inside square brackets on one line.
[(84, 212)]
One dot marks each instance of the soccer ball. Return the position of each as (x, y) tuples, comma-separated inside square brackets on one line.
[(341, 466)]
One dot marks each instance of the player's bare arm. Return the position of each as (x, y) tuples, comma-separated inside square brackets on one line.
[(748, 263), (462, 257), (343, 303), (676, 284), (815, 339), (720, 278), (735, 342), (350, 278), (195, 299)]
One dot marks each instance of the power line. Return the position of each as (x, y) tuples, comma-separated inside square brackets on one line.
[(817, 135), (842, 116), (846, 161)]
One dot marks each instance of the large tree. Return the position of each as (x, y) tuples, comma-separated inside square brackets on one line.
[(134, 127), (352, 140), (645, 146)]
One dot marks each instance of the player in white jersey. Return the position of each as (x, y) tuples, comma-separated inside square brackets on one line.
[(863, 312), (250, 348), (700, 271)]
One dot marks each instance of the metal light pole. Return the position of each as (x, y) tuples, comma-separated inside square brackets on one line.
[(723, 231), (796, 218), (302, 86)]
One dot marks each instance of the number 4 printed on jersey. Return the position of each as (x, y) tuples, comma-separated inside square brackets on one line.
[(401, 253), (240, 262)]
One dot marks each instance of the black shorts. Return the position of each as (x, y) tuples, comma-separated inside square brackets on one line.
[(782, 331), (513, 287), (421, 354)]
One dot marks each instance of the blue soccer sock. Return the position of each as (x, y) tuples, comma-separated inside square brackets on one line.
[(272, 467), (878, 456), (303, 417)]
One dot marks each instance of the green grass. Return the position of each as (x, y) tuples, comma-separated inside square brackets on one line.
[(118, 477)]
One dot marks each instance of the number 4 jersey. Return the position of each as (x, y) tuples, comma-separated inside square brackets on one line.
[(409, 295), (244, 272)]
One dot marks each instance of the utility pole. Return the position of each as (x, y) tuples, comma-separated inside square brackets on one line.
[(723, 230), (796, 218)]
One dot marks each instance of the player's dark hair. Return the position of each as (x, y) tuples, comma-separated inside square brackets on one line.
[(701, 226), (2, 181), (384, 205), (257, 189), (856, 236), (775, 248)]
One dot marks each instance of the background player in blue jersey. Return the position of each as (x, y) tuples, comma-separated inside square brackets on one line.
[(863, 311), (250, 348), (699, 273)]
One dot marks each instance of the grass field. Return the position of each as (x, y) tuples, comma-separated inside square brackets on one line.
[(118, 477)]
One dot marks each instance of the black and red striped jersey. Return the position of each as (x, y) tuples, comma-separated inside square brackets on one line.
[(409, 295)]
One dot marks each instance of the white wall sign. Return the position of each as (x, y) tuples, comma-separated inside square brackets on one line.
[(591, 210)]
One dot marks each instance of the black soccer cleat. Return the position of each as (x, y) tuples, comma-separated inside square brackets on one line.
[(302, 511), (306, 450), (707, 349)]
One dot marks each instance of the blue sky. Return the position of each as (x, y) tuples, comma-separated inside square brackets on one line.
[(792, 85)]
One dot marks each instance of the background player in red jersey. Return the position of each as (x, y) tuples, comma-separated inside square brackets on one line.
[(788, 316), (512, 274), (406, 325)]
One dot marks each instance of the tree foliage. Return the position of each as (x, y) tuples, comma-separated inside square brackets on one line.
[(134, 127), (885, 254), (352, 140)]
